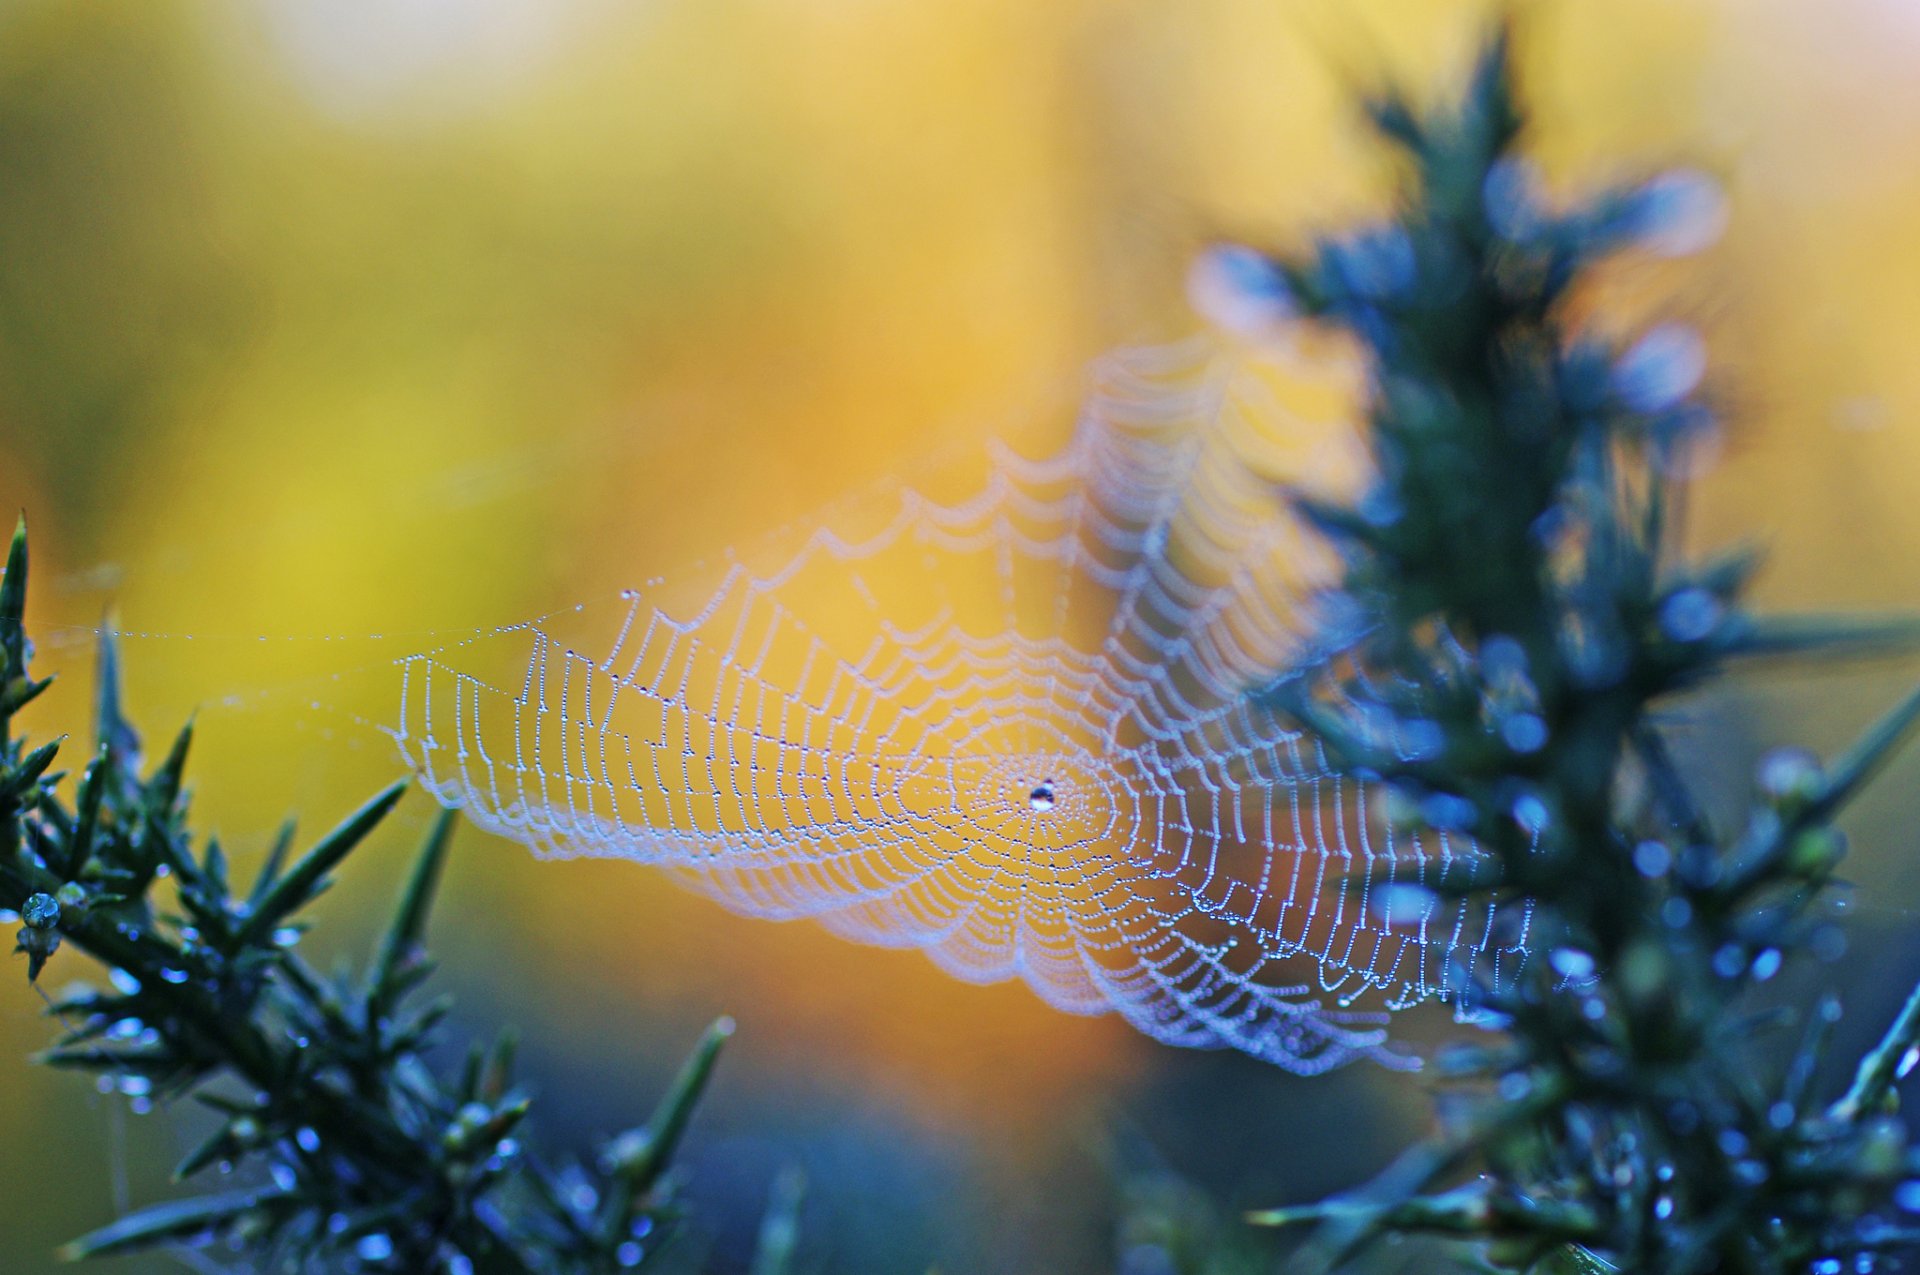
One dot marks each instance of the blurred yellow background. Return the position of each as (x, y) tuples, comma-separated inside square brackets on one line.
[(328, 318)]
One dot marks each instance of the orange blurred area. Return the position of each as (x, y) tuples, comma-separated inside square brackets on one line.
[(329, 328)]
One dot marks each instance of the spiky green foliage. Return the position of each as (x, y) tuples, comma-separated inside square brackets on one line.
[(360, 1155), (1513, 614)]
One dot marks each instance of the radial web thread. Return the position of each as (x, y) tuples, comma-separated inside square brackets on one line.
[(1009, 728)]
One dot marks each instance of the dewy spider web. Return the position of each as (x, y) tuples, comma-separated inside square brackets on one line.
[(1009, 729)]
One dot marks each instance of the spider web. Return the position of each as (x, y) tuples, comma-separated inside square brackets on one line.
[(1009, 728)]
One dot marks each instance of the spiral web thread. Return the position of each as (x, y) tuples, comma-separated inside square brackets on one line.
[(1010, 729)]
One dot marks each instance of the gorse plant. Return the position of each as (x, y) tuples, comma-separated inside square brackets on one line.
[(1512, 616), (360, 1154)]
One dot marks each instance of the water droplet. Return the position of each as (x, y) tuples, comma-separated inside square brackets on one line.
[(173, 976), (1790, 777), (375, 1247), (41, 912), (1652, 859), (1689, 615), (286, 936), (1572, 963), (1663, 1207), (1239, 290), (1524, 732), (306, 1139), (1447, 812), (1767, 964), (1660, 369), (1510, 201), (1420, 738), (1531, 814), (1679, 213), (629, 1254), (1908, 1061), (1375, 264), (1381, 506), (1404, 904), (1041, 798), (1907, 1196)]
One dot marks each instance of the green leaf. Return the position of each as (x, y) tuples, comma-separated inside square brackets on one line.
[(1879, 1068), (213, 867), (401, 946), (93, 784), (1727, 572), (140, 1059), (231, 1139), (163, 790), (19, 692), (497, 1075), (1872, 751), (270, 868), (1395, 121), (1489, 103), (112, 733), (167, 1223), (410, 1036), (306, 878), (1833, 636), (1573, 1259), (639, 1156), (780, 1225), (28, 772), (13, 607)]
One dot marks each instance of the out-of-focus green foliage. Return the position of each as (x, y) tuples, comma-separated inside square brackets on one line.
[(1514, 617), (358, 1153)]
